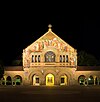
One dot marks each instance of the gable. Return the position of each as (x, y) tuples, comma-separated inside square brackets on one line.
[(46, 43), (49, 39)]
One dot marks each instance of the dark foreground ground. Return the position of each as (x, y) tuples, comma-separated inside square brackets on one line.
[(50, 94)]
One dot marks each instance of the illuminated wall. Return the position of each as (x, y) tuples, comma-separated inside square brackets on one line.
[(50, 61), (59, 52)]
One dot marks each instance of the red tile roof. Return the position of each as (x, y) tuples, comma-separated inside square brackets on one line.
[(13, 68), (79, 68), (88, 68)]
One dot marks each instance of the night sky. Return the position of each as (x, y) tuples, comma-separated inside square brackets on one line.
[(19, 31)]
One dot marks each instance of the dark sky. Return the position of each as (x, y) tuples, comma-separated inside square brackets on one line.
[(20, 30)]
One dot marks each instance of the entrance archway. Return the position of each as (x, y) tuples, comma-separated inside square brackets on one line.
[(82, 80), (8, 81), (64, 80), (36, 80), (17, 80), (49, 79), (91, 80)]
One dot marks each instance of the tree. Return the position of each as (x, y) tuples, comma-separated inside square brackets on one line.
[(85, 59), (1, 69), (17, 62)]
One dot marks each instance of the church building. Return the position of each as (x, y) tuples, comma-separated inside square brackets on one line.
[(50, 61)]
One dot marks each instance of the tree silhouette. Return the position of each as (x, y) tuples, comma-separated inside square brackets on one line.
[(17, 61), (85, 59), (1, 69)]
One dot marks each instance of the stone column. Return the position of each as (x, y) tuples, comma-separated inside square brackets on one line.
[(5, 78), (87, 80), (94, 79)]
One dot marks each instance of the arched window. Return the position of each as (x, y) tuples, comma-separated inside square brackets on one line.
[(60, 58), (35, 58), (50, 56), (32, 58), (63, 58), (66, 58), (38, 58)]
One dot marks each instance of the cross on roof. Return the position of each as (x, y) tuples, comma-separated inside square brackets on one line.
[(49, 26)]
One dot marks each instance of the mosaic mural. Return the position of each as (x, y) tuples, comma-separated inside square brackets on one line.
[(43, 44), (49, 40)]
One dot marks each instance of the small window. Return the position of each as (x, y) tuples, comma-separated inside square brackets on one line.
[(32, 58), (60, 58), (35, 58), (37, 80), (62, 80), (38, 58), (66, 58), (63, 58)]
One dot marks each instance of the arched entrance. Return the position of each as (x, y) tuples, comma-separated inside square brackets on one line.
[(8, 81), (82, 80), (35, 80), (17, 80), (91, 80), (49, 79), (3, 81), (63, 80)]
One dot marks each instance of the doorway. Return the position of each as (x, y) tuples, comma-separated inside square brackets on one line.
[(36, 80), (63, 80), (49, 79)]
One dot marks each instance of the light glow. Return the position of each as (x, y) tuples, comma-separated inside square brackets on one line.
[(50, 80)]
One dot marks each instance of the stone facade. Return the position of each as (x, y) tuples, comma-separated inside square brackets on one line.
[(49, 61)]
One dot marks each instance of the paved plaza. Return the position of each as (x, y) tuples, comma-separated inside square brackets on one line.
[(49, 93)]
